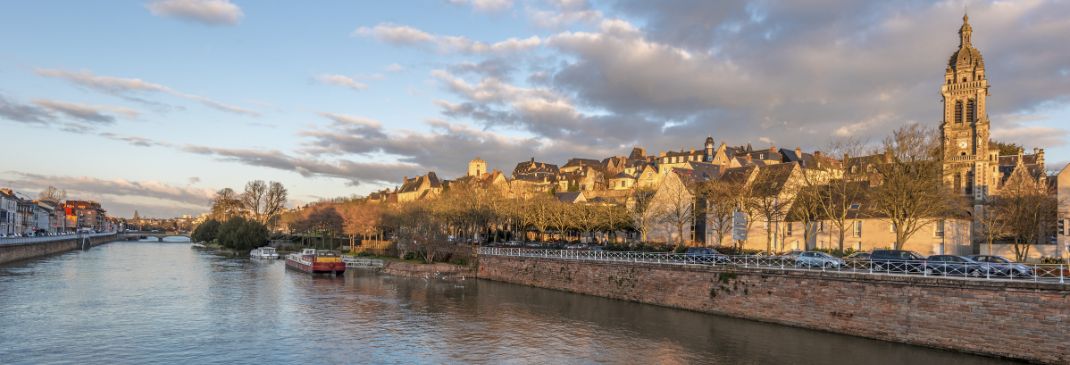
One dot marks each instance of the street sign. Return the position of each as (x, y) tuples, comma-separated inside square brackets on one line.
[(739, 226)]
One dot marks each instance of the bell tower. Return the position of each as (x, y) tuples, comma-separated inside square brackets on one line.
[(965, 128)]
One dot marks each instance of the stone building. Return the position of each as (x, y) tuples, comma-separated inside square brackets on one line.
[(973, 165)]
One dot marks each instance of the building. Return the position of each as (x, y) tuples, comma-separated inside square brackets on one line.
[(8, 212), (420, 187), (973, 165), (82, 214)]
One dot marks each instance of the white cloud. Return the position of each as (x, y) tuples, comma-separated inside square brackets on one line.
[(403, 35), (90, 113), (128, 87), (341, 80), (212, 12), (393, 67)]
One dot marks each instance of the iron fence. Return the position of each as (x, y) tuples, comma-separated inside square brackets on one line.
[(1050, 273), (27, 240)]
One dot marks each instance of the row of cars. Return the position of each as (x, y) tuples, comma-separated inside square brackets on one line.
[(892, 261)]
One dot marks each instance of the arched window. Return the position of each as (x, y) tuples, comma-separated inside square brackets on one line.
[(958, 112), (971, 109), (963, 79)]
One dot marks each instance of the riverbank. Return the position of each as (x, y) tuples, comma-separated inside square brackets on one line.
[(35, 248), (1012, 320)]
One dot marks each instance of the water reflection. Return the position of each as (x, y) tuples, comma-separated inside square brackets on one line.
[(134, 302)]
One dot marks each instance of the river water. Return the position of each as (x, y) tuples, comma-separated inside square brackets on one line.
[(148, 303)]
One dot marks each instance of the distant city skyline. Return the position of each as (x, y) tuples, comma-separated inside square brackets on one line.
[(154, 105)]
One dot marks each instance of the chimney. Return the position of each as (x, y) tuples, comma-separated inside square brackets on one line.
[(798, 152), (817, 153), (1040, 156), (749, 159), (772, 148)]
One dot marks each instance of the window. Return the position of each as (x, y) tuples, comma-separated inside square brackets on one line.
[(855, 205), (791, 228), (971, 111), (958, 112), (891, 227), (940, 228), (858, 228)]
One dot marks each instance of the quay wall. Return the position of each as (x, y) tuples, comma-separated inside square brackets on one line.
[(25, 251), (1021, 320)]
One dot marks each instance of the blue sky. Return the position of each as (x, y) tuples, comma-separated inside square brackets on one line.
[(152, 105)]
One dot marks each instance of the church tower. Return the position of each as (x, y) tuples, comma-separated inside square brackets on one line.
[(968, 165), (477, 167)]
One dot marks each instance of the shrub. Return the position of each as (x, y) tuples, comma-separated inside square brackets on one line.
[(241, 234), (206, 232)]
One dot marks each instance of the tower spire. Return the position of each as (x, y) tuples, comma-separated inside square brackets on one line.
[(965, 31)]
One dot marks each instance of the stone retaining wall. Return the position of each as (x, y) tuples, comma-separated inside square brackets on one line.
[(416, 270), (12, 253), (1022, 320)]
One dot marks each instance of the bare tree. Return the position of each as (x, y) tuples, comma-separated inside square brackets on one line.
[(1029, 211), (675, 205), (274, 203), (771, 195), (638, 210), (51, 194), (226, 204), (837, 195), (253, 198), (911, 193), (721, 204)]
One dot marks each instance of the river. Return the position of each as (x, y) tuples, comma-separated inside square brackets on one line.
[(163, 303)]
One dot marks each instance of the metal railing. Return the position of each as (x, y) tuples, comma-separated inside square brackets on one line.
[(958, 270), (28, 240)]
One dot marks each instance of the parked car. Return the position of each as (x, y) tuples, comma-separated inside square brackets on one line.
[(1004, 267), (897, 261), (705, 255), (819, 259), (955, 265)]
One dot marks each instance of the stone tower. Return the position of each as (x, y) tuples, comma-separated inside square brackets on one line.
[(708, 154), (969, 168), (477, 167)]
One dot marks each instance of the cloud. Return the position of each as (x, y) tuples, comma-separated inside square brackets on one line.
[(354, 172), (485, 5), (23, 113), (394, 67), (341, 80), (162, 197), (798, 74), (403, 35), (99, 114), (211, 12), (130, 88), (562, 13), (134, 140)]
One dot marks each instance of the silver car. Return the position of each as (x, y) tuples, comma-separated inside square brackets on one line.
[(819, 259)]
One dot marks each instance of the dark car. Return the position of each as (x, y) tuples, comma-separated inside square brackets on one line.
[(705, 255), (1004, 267), (897, 261), (954, 265)]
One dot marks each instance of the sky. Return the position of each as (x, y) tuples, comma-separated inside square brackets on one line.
[(152, 105)]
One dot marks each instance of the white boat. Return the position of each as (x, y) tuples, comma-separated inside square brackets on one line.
[(267, 253)]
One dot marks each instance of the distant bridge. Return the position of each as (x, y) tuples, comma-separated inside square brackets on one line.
[(159, 235)]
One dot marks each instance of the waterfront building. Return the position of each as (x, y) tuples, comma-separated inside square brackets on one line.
[(83, 214), (8, 212)]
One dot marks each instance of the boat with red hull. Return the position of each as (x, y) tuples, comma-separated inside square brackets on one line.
[(314, 261)]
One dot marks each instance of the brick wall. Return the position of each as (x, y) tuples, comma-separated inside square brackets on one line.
[(1027, 321)]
